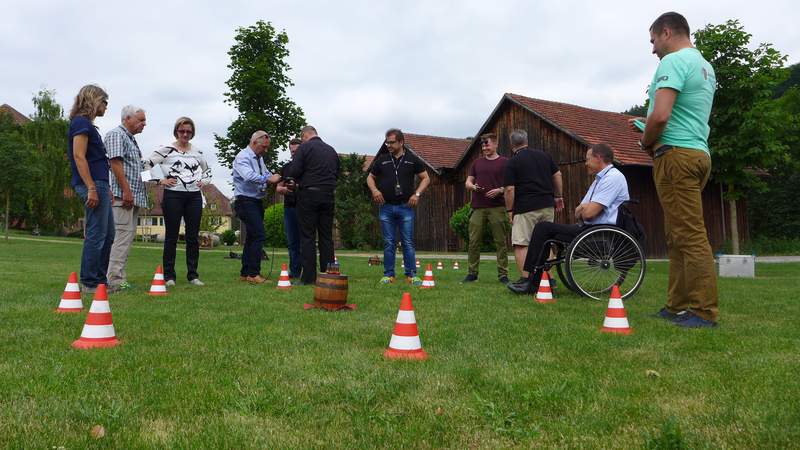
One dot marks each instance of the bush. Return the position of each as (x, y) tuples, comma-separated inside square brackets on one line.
[(273, 226), (356, 220), (459, 223), (228, 237)]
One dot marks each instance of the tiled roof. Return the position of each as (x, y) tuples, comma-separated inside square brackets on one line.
[(210, 192), (439, 152), (591, 126), (18, 117)]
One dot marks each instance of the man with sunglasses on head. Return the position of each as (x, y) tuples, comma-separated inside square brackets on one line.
[(485, 181), (391, 180)]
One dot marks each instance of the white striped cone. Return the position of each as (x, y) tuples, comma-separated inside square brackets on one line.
[(71, 299), (417, 264), (405, 341), (283, 281), (616, 321), (427, 280), (439, 266), (455, 265), (544, 294), (158, 288), (98, 331)]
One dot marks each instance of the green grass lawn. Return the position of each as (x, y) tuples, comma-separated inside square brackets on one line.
[(231, 365)]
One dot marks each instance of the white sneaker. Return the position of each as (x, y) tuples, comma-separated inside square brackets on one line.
[(197, 282), (170, 283)]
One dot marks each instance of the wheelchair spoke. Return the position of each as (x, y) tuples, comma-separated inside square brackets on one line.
[(600, 258)]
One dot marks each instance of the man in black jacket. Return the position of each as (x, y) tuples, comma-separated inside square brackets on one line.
[(315, 167)]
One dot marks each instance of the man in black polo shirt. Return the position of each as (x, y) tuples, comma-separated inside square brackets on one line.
[(315, 167), (533, 190), (391, 180), (290, 224)]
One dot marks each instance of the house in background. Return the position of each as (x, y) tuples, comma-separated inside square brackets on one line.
[(150, 224), (16, 116), (564, 131)]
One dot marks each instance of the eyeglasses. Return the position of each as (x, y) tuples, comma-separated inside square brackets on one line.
[(190, 132), (388, 143)]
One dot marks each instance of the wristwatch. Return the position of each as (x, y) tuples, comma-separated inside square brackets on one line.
[(417, 194)]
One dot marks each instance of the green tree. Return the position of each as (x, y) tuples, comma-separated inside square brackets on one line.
[(745, 121), (355, 217), (53, 205), (257, 89), (20, 174), (637, 110)]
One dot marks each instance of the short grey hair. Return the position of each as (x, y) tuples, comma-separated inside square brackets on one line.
[(519, 137), (130, 110), (309, 129)]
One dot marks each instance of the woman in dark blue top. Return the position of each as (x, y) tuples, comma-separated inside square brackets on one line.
[(89, 164)]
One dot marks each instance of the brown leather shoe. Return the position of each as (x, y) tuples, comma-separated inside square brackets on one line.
[(243, 278), (257, 279)]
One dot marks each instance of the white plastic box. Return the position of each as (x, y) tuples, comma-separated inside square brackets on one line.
[(737, 266)]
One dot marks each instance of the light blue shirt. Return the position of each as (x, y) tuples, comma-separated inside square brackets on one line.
[(610, 189), (250, 174)]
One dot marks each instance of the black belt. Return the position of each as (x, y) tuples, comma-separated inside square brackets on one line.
[(316, 188), (661, 150)]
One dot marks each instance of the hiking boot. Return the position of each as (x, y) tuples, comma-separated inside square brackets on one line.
[(387, 280), (503, 279), (524, 287), (470, 278)]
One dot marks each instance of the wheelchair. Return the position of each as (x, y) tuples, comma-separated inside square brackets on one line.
[(597, 259)]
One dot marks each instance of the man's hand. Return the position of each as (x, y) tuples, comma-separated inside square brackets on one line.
[(413, 200), (578, 212), (127, 198), (377, 197), (494, 193), (92, 200), (559, 204), (511, 218)]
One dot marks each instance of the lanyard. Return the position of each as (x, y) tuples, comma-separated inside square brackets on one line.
[(397, 166)]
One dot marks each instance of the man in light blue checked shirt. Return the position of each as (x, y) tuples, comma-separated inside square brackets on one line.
[(250, 178), (128, 190)]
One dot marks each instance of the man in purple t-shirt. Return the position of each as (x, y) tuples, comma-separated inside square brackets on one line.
[(485, 181)]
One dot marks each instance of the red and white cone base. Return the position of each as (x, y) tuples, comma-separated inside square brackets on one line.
[(439, 266), (71, 299), (545, 294), (283, 281), (158, 288), (616, 321), (405, 343), (428, 281), (98, 330)]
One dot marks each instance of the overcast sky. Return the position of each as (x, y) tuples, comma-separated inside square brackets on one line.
[(429, 67)]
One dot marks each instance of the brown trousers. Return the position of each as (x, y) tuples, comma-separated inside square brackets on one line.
[(680, 175)]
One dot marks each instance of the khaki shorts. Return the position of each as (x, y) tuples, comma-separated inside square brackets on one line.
[(522, 227)]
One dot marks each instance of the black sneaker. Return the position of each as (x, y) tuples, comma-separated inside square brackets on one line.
[(503, 279), (470, 278), (664, 313)]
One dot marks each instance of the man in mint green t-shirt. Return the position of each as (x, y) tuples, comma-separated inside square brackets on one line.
[(676, 135)]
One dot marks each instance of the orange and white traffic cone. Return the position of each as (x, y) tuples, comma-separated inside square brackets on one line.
[(439, 266), (283, 281), (71, 299), (405, 341), (616, 321), (417, 264), (455, 265), (98, 331), (427, 280), (545, 294), (158, 288)]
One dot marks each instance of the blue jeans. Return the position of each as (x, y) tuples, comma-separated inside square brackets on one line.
[(251, 212), (394, 218), (292, 228), (99, 235)]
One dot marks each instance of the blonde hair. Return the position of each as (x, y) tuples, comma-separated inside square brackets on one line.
[(88, 101), (183, 121)]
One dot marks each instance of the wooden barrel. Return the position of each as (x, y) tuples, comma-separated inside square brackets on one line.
[(330, 291)]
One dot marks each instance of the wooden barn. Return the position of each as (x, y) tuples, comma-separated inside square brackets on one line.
[(564, 131)]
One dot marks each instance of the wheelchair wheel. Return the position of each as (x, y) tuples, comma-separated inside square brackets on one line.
[(601, 257)]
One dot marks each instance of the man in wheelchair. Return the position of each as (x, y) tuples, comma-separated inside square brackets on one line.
[(599, 206)]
